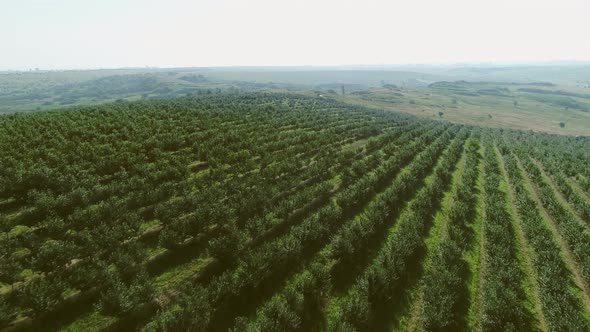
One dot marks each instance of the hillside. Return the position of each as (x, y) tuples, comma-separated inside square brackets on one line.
[(278, 211), (554, 99), (538, 106)]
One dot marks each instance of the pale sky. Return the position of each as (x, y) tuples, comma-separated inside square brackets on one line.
[(65, 34)]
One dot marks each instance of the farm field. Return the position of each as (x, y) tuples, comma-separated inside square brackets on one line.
[(537, 106), (290, 212)]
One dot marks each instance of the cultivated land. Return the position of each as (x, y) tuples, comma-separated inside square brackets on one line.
[(517, 97), (252, 211)]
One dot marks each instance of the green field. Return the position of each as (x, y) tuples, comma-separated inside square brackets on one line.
[(251, 211)]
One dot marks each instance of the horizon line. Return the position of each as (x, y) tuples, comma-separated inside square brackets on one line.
[(270, 66)]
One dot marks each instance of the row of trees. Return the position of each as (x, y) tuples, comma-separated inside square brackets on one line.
[(553, 163), (576, 235), (297, 305), (251, 278), (561, 307), (369, 298), (92, 221), (564, 154), (94, 199), (372, 165), (446, 271), (349, 247), (502, 296)]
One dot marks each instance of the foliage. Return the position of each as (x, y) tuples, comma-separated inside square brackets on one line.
[(279, 212)]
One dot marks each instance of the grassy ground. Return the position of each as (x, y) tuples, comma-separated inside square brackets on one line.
[(488, 104)]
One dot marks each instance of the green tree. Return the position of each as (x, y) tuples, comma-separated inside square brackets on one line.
[(6, 314), (42, 294), (119, 298)]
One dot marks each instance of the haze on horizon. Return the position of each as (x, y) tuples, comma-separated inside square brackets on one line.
[(70, 34)]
